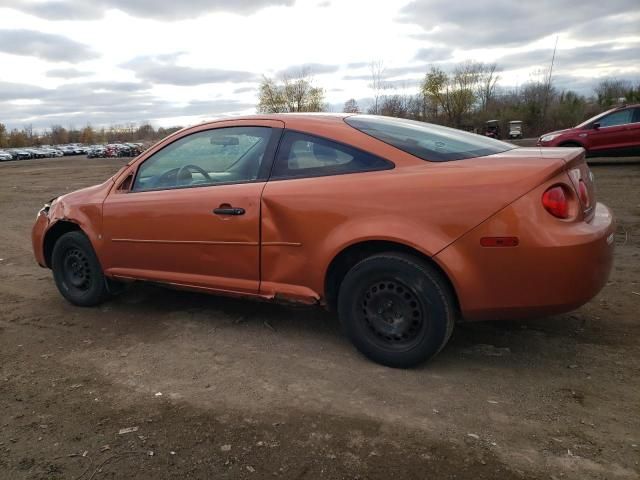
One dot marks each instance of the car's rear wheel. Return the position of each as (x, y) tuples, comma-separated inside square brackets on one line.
[(77, 271), (396, 309)]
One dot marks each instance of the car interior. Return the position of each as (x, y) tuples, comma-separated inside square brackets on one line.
[(206, 158)]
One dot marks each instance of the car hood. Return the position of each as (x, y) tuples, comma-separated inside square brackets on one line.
[(557, 132)]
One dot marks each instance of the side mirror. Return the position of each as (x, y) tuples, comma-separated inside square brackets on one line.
[(595, 125)]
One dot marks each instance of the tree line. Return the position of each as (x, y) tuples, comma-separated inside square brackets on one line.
[(59, 135), (466, 97)]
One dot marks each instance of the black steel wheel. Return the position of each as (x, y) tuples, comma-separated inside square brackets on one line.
[(396, 309), (393, 313), (77, 271)]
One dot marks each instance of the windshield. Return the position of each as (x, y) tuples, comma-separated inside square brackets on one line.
[(427, 141)]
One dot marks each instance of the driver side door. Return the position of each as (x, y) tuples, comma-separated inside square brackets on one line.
[(612, 131), (189, 212)]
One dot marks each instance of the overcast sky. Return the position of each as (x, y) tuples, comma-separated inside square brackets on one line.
[(73, 62)]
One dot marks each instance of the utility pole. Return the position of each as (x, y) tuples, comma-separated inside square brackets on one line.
[(547, 89)]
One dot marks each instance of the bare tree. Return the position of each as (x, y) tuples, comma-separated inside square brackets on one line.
[(3, 135), (87, 136), (486, 87), (293, 93), (610, 90), (59, 135), (401, 106), (377, 85), (351, 106), (462, 92)]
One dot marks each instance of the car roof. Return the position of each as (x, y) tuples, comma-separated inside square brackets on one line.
[(290, 119)]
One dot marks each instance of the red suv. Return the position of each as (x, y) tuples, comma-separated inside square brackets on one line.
[(616, 131)]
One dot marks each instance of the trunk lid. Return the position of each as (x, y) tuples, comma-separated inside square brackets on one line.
[(578, 171)]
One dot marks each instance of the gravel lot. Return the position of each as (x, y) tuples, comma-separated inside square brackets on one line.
[(219, 388)]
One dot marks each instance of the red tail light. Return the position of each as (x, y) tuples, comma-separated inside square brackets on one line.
[(584, 194), (555, 201)]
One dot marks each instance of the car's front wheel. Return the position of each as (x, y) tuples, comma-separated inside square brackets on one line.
[(77, 271), (396, 309)]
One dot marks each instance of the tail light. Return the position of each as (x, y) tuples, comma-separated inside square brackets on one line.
[(555, 201), (583, 192)]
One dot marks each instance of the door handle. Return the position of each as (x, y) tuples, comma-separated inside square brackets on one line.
[(228, 210)]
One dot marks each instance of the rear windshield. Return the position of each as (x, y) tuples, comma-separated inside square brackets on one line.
[(427, 141)]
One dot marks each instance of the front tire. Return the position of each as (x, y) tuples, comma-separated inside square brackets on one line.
[(397, 310), (77, 271)]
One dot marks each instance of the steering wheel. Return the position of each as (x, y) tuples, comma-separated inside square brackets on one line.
[(189, 168), (172, 177)]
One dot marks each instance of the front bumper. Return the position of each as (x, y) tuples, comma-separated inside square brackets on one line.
[(557, 267), (37, 237)]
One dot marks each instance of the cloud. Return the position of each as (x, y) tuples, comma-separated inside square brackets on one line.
[(245, 89), (606, 28), (94, 102), (20, 91), (310, 68), (598, 55), (503, 23), (433, 54), (46, 46), (403, 84), (584, 85), (118, 86), (364, 76), (162, 69), (158, 9), (392, 72), (399, 71), (67, 73)]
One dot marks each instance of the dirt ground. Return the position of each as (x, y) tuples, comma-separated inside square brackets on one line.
[(219, 388)]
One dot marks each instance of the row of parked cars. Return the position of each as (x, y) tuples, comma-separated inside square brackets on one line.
[(91, 151), (116, 150)]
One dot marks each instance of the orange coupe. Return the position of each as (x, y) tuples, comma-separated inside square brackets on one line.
[(401, 227)]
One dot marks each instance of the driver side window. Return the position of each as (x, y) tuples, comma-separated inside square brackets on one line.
[(617, 118), (222, 155)]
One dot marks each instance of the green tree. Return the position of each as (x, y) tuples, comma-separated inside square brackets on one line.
[(290, 94), (434, 90)]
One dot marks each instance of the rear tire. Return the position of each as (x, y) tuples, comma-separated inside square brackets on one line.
[(397, 310), (77, 271)]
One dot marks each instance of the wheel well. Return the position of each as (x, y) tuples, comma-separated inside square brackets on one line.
[(53, 234), (347, 258)]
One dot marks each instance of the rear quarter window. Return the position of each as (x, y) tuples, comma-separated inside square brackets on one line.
[(427, 141), (302, 155)]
